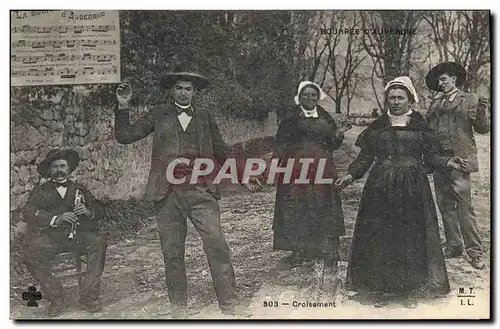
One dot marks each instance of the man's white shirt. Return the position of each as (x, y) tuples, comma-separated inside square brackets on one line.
[(62, 192), (184, 119)]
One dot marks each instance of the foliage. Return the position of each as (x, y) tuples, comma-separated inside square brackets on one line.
[(463, 37), (243, 53), (124, 216), (334, 59), (391, 52)]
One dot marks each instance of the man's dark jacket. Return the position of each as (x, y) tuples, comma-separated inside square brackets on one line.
[(464, 120), (45, 202), (162, 121)]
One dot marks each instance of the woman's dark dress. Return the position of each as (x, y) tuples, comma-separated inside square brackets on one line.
[(308, 217), (396, 245)]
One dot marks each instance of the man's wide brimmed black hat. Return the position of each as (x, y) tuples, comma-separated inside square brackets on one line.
[(187, 74), (451, 68), (57, 154)]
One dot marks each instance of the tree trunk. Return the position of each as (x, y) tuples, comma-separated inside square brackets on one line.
[(289, 70), (338, 103), (393, 49), (478, 30)]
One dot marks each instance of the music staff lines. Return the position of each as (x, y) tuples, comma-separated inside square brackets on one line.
[(64, 73), (62, 57), (61, 43), (62, 28)]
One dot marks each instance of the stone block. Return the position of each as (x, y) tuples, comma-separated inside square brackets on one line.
[(56, 126), (18, 189), (56, 140), (90, 166), (25, 138), (14, 178), (80, 129), (83, 152), (47, 115), (24, 175)]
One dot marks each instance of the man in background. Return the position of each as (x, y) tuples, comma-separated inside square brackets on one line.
[(454, 117)]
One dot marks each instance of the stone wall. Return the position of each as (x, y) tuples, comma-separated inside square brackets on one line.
[(71, 118)]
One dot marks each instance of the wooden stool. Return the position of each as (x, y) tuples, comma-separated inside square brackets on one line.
[(79, 272)]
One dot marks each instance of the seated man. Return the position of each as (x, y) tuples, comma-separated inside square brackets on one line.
[(62, 217)]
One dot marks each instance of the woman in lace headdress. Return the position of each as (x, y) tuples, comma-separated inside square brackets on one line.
[(308, 217), (396, 246)]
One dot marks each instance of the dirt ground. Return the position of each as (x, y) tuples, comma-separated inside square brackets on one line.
[(133, 282)]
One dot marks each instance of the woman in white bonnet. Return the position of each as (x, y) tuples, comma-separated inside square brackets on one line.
[(396, 247), (308, 217)]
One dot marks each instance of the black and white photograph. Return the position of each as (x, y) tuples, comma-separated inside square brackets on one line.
[(184, 165)]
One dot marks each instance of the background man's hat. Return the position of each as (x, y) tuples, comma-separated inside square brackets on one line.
[(56, 154), (185, 73), (451, 68)]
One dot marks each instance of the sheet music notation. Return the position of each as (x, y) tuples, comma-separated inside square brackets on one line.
[(62, 28), (65, 47), (61, 57), (64, 73), (62, 43)]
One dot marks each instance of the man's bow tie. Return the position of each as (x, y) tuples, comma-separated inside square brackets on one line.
[(188, 111), (309, 115), (57, 184)]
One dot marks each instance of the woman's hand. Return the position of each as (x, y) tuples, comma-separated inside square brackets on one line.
[(457, 163), (344, 181), (253, 185)]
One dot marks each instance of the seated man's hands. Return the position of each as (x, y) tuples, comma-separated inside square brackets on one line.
[(80, 210), (67, 218)]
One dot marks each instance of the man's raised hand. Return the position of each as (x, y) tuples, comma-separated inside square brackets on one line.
[(123, 95)]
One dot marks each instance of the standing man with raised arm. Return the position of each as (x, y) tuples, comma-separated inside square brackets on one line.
[(183, 130)]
